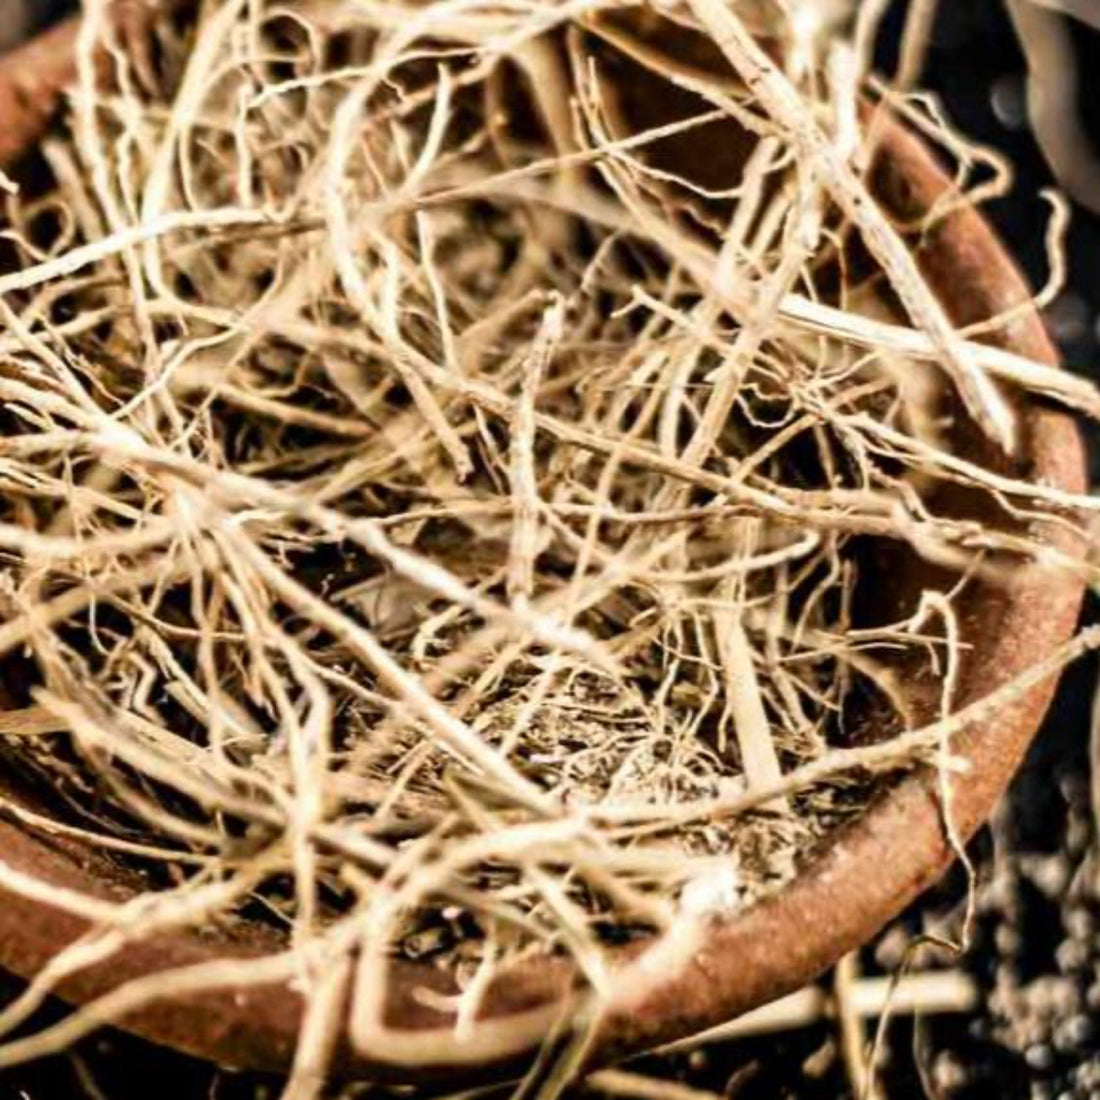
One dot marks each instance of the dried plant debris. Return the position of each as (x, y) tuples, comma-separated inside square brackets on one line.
[(444, 451)]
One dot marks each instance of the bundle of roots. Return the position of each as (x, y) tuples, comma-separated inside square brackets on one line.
[(444, 451)]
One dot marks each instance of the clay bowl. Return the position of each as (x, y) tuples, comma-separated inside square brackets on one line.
[(869, 872)]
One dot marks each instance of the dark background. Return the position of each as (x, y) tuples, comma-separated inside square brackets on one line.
[(1043, 936)]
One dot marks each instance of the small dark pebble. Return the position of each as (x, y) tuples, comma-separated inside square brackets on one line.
[(1039, 1056), (1073, 1034), (1072, 955), (1080, 923)]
